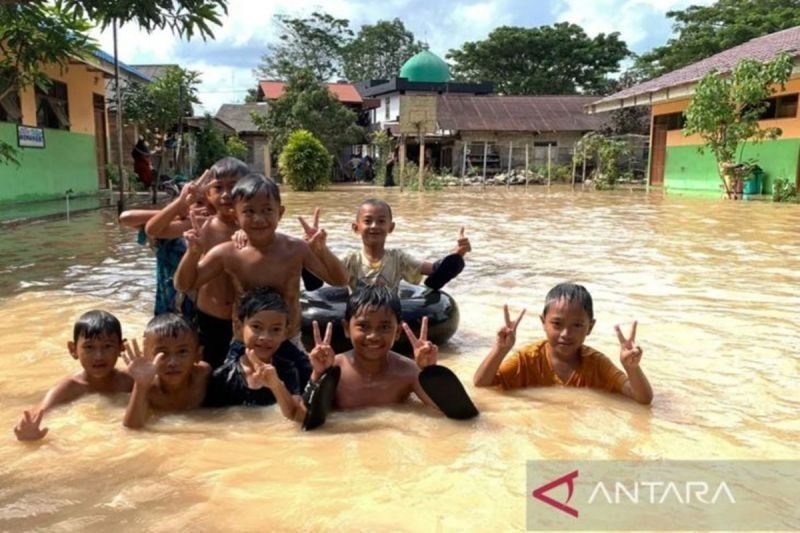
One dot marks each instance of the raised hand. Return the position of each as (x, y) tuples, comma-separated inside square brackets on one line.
[(463, 246), (239, 239), (194, 235), (195, 189), (141, 368), (28, 426), (314, 235), (266, 375), (629, 352), (322, 356), (507, 334), (425, 352)]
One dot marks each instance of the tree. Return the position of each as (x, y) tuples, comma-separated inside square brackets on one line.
[(307, 104), (210, 144), (725, 110), (252, 96), (33, 35), (314, 43), (184, 17), (634, 119), (162, 104), (558, 59), (702, 31), (379, 50), (304, 162), (236, 147)]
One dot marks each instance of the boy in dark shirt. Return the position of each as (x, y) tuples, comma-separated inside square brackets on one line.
[(271, 369)]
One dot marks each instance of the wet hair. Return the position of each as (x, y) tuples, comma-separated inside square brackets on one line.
[(95, 323), (571, 292), (261, 299), (375, 203), (253, 184), (373, 297), (168, 325), (230, 167)]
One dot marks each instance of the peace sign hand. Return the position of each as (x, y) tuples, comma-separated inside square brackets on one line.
[(266, 375), (194, 189), (314, 235), (425, 352), (28, 426), (463, 245), (629, 352), (507, 334), (141, 368), (322, 356), (193, 236)]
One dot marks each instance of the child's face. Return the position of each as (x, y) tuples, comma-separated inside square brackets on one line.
[(97, 355), (373, 332), (180, 355), (373, 223), (259, 217), (218, 194), (263, 333), (566, 326)]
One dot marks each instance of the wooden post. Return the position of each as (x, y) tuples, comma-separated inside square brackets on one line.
[(510, 156), (268, 159), (548, 164), (402, 160), (526, 166), (583, 174), (573, 166), (463, 165), (420, 178), (485, 154)]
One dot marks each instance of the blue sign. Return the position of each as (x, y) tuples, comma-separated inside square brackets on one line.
[(28, 137)]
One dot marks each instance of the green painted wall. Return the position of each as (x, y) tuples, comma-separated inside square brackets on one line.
[(686, 169), (67, 162)]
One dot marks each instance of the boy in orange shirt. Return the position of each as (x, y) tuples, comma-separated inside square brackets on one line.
[(562, 358)]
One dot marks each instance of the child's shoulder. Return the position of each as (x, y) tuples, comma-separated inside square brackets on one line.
[(402, 365), (123, 382)]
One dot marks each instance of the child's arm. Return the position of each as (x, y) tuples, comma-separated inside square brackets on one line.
[(318, 258), (136, 218), (425, 354), (195, 270), (143, 372), (290, 405), (462, 247), (65, 391), (630, 354), (486, 373), (163, 225)]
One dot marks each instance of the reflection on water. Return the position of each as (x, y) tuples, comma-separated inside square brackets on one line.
[(712, 283)]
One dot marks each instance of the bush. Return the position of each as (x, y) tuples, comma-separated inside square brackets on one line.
[(236, 148), (430, 181), (304, 162), (210, 145), (784, 191)]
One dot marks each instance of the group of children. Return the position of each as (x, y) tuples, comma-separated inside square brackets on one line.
[(227, 325)]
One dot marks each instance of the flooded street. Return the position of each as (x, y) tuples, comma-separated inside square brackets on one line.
[(713, 284)]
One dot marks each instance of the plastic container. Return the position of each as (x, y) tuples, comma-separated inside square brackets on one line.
[(755, 184)]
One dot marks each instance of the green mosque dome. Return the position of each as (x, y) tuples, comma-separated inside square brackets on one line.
[(426, 67)]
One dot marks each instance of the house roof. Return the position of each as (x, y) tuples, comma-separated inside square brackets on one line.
[(107, 62), (661, 88), (516, 113), (377, 88), (153, 71), (346, 93), (200, 123), (239, 116)]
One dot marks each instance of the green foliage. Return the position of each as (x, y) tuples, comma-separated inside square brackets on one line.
[(304, 162), (430, 180), (314, 43), (605, 152), (385, 147), (308, 105), (702, 31), (378, 51), (235, 147), (784, 190), (32, 35), (184, 17), (162, 104), (725, 110), (210, 144), (558, 59)]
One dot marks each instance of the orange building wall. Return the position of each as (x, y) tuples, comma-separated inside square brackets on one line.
[(789, 126)]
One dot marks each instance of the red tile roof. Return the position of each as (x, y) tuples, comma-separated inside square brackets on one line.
[(761, 48), (344, 92), (516, 113)]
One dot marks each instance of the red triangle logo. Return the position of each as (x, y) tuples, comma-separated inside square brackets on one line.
[(569, 479)]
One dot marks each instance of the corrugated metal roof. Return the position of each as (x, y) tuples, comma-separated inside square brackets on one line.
[(239, 116), (153, 71), (108, 58), (516, 113), (761, 48)]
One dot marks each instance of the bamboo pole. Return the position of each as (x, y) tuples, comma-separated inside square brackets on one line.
[(510, 156), (402, 160), (583, 174), (548, 164), (463, 165), (118, 119), (420, 178), (526, 166), (485, 154)]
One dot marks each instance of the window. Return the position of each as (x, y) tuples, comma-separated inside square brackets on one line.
[(387, 104), (545, 143), (10, 109), (52, 107), (670, 121), (784, 106)]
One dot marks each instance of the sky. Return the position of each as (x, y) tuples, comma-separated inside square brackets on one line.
[(226, 63)]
